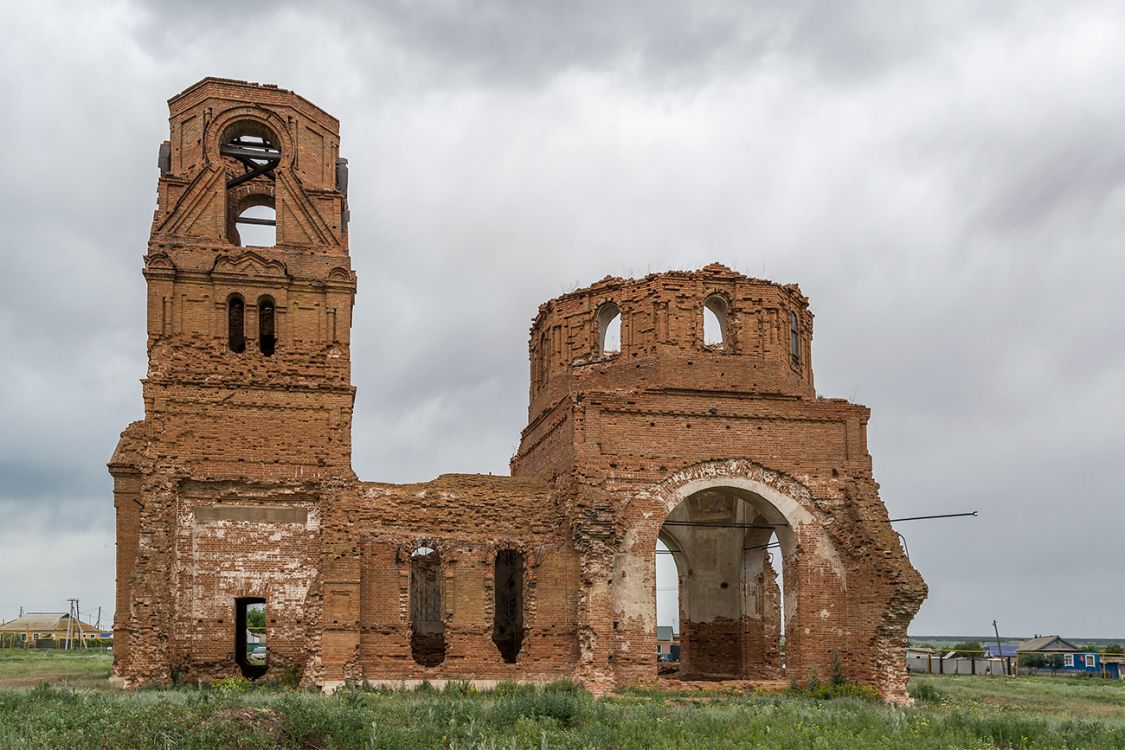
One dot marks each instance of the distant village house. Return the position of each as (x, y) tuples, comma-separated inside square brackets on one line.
[(1063, 656), (37, 626)]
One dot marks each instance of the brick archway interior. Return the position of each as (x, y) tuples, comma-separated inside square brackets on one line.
[(730, 600)]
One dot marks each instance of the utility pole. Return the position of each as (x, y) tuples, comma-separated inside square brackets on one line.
[(78, 626), (69, 623), (73, 626), (999, 651)]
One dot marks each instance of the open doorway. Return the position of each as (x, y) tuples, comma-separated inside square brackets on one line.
[(250, 650), (719, 588)]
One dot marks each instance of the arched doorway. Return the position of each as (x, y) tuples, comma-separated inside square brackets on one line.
[(783, 611), (729, 592)]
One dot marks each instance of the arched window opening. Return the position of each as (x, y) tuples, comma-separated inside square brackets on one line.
[(715, 322), (507, 618), (427, 624), (236, 324), (609, 329), (250, 651), (719, 598), (267, 340), (256, 226), (794, 340)]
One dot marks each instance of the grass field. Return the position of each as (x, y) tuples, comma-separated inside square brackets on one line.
[(76, 669), (75, 709)]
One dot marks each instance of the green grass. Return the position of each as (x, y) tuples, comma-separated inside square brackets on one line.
[(1059, 697), (81, 668), (952, 712)]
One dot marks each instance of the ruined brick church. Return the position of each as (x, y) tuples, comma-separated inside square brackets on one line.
[(236, 490)]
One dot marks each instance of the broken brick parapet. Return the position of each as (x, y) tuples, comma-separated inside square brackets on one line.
[(232, 91), (662, 342)]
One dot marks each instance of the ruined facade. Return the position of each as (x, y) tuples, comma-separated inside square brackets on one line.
[(236, 490)]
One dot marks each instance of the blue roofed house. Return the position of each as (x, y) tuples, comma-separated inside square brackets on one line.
[(993, 651)]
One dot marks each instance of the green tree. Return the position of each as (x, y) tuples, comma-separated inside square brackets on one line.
[(967, 647), (1041, 661), (1115, 648), (256, 619)]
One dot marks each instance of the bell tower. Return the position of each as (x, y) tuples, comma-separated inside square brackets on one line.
[(248, 395), (248, 334)]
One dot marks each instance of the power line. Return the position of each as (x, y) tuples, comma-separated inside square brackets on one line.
[(926, 518), (772, 545), (732, 525)]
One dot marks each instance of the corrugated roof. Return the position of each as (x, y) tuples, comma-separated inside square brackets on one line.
[(1048, 643), (41, 622)]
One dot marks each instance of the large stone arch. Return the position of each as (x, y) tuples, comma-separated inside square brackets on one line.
[(816, 578)]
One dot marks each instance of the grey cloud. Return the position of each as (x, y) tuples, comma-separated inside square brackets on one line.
[(943, 182), (495, 43)]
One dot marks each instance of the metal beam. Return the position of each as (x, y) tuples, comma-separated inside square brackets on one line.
[(771, 545), (251, 164), (744, 549), (252, 220), (261, 169), (725, 525), (268, 152)]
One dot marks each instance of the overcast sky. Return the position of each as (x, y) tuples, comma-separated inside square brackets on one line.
[(945, 181)]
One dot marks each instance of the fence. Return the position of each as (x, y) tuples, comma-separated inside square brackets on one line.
[(19, 641), (928, 662), (1053, 663)]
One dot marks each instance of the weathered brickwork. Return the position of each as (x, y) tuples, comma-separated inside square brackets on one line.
[(237, 486)]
